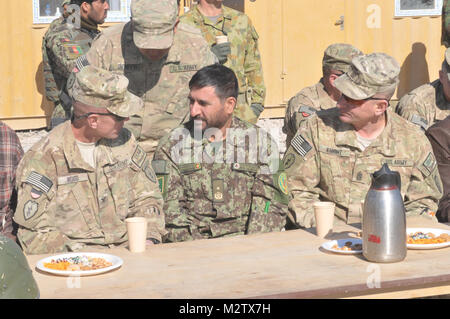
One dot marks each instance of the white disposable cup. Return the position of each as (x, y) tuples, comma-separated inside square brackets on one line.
[(324, 215), (137, 233), (221, 39)]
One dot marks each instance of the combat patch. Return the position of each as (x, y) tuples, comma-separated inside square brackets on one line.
[(40, 181), (183, 68), (282, 183), (301, 145), (29, 209), (138, 157)]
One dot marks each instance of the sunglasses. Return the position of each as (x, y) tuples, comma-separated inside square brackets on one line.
[(116, 117)]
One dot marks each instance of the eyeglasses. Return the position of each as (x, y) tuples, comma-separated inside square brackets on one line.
[(350, 100), (116, 117)]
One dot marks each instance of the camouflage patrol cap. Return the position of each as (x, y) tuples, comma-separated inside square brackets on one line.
[(338, 56), (369, 74), (153, 23), (103, 89)]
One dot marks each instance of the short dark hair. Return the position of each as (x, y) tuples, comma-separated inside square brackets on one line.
[(218, 76), (79, 2)]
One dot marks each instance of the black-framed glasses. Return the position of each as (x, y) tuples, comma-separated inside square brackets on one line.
[(116, 117)]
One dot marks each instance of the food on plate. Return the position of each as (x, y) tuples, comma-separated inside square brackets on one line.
[(427, 238), (348, 246), (78, 263)]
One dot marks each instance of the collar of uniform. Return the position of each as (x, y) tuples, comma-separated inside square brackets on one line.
[(71, 150), (326, 102), (199, 17)]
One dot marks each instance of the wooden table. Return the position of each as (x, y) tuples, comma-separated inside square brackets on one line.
[(286, 264)]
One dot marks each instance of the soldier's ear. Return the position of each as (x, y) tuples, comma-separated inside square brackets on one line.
[(230, 104), (381, 107)]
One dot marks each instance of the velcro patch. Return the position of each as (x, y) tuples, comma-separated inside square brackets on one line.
[(428, 165), (139, 156), (301, 145), (306, 110), (40, 181), (81, 62), (418, 120), (62, 180), (183, 68)]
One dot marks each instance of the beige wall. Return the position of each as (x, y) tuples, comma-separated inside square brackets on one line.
[(293, 35)]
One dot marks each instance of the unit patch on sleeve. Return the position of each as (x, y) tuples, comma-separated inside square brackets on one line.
[(301, 145)]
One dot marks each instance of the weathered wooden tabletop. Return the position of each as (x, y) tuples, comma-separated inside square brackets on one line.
[(287, 264)]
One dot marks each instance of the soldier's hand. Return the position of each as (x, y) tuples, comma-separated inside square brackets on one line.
[(257, 108), (221, 51), (308, 220)]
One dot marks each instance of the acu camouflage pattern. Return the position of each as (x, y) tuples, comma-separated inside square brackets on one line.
[(217, 199), (162, 85), (16, 279), (337, 57), (324, 162), (244, 59), (65, 204), (425, 105), (63, 46)]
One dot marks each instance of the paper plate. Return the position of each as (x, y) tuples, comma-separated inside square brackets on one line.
[(340, 243), (435, 231), (116, 263)]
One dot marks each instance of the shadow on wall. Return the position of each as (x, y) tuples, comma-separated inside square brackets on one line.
[(46, 105), (414, 71)]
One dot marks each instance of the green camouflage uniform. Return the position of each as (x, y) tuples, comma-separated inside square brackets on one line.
[(61, 48), (336, 57), (244, 59), (219, 195), (445, 37), (325, 162), (163, 84), (64, 203)]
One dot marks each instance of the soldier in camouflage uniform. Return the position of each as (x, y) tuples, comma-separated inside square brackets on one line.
[(65, 43), (429, 103), (445, 37), (159, 57), (323, 95), (241, 53), (335, 151), (216, 183), (78, 185)]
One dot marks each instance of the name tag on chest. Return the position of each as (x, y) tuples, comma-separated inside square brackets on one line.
[(62, 180)]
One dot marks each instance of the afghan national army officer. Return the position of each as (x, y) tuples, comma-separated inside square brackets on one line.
[(323, 95), (77, 185), (158, 56), (63, 45), (429, 103), (240, 52), (335, 151), (220, 176)]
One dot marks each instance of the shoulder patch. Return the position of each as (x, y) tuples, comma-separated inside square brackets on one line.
[(306, 110), (282, 183), (289, 160), (428, 165), (418, 120), (40, 181), (301, 145), (147, 168), (29, 209)]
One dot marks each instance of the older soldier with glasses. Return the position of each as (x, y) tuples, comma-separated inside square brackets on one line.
[(77, 185), (335, 151)]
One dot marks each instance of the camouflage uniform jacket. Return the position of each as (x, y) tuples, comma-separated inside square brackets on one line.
[(425, 105), (215, 198), (324, 162), (302, 105), (445, 37), (244, 59), (62, 47), (64, 203), (162, 85)]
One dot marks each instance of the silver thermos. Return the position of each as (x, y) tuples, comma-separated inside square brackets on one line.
[(384, 219)]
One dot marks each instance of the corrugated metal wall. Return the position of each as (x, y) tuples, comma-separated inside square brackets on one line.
[(293, 35)]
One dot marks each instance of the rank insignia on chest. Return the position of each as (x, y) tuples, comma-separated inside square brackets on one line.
[(183, 68)]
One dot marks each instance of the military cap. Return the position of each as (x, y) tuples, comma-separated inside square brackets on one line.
[(103, 89), (338, 56), (153, 23), (369, 74)]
